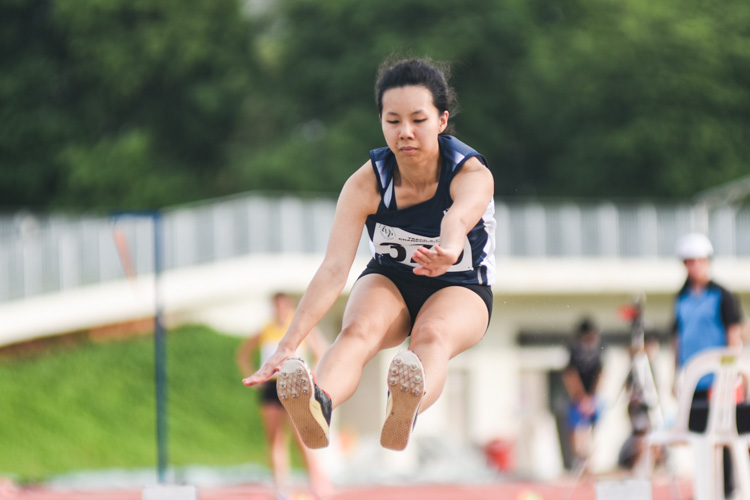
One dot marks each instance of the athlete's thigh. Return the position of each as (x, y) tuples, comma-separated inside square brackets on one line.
[(375, 307), (455, 313)]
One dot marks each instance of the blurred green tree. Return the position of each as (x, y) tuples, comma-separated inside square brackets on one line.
[(576, 98), (325, 58), (114, 104), (636, 98), (119, 103)]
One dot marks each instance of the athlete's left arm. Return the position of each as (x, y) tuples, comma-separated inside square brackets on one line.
[(472, 190)]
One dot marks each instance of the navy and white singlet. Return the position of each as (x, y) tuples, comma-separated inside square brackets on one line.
[(395, 234)]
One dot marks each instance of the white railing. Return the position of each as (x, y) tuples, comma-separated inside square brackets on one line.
[(41, 254)]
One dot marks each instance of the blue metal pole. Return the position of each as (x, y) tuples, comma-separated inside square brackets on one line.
[(160, 350), (160, 338)]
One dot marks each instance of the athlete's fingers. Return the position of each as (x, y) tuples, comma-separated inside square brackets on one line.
[(427, 257), (422, 271), (435, 256), (425, 253), (269, 368), (431, 270), (451, 257), (425, 262), (433, 261), (255, 379), (262, 375)]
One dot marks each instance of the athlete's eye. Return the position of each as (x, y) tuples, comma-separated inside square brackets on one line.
[(392, 122), (420, 120)]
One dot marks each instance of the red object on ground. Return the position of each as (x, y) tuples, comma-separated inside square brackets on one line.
[(499, 453)]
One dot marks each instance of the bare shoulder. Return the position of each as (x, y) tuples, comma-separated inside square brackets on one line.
[(474, 165), (364, 178), (361, 189), (358, 199), (473, 176)]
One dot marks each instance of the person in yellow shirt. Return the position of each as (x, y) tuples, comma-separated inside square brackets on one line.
[(275, 419)]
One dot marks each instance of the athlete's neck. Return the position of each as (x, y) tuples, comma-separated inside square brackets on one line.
[(417, 176)]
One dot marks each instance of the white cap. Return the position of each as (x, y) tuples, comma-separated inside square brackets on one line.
[(694, 246)]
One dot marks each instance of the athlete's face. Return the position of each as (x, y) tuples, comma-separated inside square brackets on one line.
[(411, 123)]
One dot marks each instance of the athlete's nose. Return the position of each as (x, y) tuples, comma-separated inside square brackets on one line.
[(406, 130)]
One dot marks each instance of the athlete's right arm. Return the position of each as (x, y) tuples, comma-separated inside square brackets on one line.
[(359, 198)]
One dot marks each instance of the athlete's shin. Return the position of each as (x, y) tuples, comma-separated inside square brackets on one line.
[(340, 370)]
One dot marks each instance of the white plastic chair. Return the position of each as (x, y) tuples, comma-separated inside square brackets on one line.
[(721, 431)]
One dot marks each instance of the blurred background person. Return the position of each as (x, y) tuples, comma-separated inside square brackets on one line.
[(581, 377), (706, 316), (275, 419)]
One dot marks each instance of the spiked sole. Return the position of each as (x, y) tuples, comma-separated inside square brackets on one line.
[(297, 394), (406, 386)]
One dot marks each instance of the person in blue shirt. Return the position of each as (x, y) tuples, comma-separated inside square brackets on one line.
[(706, 315), (426, 202)]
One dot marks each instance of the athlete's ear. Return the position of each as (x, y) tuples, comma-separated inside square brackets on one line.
[(443, 121)]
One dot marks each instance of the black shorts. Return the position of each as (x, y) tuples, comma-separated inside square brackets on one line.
[(415, 289), (267, 393)]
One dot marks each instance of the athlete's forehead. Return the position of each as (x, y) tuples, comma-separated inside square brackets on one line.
[(397, 113), (408, 100)]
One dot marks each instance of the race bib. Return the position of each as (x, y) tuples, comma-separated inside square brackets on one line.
[(400, 246)]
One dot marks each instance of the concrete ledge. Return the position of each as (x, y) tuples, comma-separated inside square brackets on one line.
[(228, 294)]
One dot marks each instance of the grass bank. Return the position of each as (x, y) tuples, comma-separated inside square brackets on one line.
[(91, 405)]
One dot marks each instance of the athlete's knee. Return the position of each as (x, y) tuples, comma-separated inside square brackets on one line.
[(362, 334), (429, 332)]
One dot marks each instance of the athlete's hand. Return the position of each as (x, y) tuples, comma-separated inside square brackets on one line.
[(268, 369), (434, 261)]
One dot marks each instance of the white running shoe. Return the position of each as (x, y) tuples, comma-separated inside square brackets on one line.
[(308, 406), (405, 392)]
